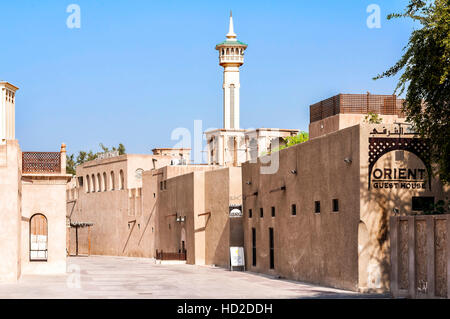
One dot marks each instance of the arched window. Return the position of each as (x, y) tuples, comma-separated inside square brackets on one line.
[(88, 184), (93, 189), (228, 51), (223, 51), (38, 238), (99, 183), (112, 181), (121, 180), (104, 182)]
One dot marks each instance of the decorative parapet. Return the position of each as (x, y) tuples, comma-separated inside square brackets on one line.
[(357, 104), (41, 162)]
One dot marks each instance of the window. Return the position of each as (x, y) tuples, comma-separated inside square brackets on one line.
[(80, 181), (253, 246), (138, 174), (261, 212), (112, 181), (317, 207), (422, 203), (99, 183), (293, 210), (88, 184), (160, 185), (104, 182), (335, 205), (38, 238), (121, 180), (165, 185), (273, 211), (271, 249), (93, 189)]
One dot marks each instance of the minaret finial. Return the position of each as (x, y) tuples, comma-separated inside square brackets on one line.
[(231, 35)]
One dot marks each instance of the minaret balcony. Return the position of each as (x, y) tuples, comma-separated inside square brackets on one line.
[(231, 58)]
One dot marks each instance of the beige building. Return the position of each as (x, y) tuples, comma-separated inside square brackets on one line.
[(108, 193), (191, 206), (32, 202), (323, 217)]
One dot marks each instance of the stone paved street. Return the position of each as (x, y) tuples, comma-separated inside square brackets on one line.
[(127, 277)]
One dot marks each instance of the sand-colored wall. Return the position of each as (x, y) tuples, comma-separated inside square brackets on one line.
[(217, 198), (45, 195), (177, 199), (318, 248), (340, 121), (223, 187), (10, 211), (203, 197)]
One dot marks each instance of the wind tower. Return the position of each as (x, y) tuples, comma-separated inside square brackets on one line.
[(7, 111)]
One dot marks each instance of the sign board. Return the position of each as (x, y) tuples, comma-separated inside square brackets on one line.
[(237, 256), (107, 155), (235, 211), (416, 177)]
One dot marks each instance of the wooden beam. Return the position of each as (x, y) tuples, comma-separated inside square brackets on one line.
[(203, 214)]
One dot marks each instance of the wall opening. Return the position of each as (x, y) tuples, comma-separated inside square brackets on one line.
[(271, 247), (38, 238), (253, 246)]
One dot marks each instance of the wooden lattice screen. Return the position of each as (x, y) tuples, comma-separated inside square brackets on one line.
[(356, 104), (41, 162)]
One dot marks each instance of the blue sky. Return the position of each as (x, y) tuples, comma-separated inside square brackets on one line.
[(136, 70)]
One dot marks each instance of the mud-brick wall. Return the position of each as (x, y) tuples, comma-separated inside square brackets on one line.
[(420, 256)]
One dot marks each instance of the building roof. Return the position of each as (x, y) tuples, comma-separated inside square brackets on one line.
[(231, 43)]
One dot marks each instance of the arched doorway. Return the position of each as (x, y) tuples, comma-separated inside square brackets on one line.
[(38, 238), (363, 255)]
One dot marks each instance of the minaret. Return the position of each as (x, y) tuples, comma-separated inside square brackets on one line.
[(7, 111), (231, 57)]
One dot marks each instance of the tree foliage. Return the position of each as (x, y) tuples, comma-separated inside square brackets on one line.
[(373, 118), (425, 69), (291, 141), (84, 156)]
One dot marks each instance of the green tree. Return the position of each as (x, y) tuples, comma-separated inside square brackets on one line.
[(425, 69), (373, 118), (70, 164), (291, 141), (294, 140)]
